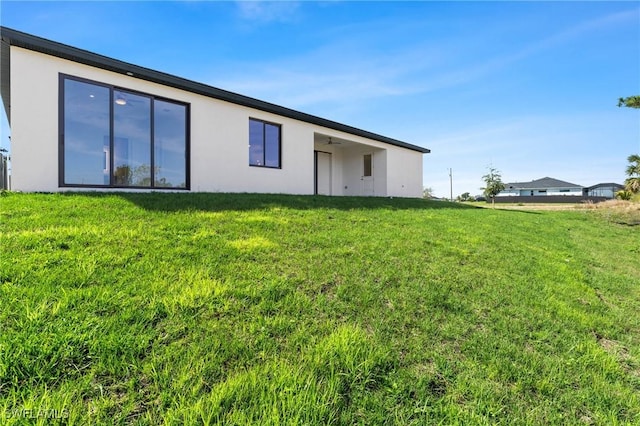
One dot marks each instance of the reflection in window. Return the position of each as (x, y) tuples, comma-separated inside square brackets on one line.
[(131, 139), (264, 144), (170, 142), (148, 146), (87, 135)]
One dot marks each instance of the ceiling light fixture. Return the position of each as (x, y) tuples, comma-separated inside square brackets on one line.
[(120, 100)]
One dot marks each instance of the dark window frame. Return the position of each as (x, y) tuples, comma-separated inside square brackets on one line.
[(264, 141), (61, 136)]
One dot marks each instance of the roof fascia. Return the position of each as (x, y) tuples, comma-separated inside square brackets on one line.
[(5, 78), (63, 51)]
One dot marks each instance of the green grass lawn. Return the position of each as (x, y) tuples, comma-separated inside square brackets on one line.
[(270, 309)]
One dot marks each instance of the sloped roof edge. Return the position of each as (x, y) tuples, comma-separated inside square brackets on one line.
[(606, 185), (545, 182), (48, 47)]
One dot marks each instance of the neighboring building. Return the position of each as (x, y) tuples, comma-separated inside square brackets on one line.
[(541, 187), (550, 190), (82, 121), (607, 190)]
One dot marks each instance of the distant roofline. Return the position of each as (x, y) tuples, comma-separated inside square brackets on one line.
[(605, 184), (27, 41), (514, 185), (556, 183)]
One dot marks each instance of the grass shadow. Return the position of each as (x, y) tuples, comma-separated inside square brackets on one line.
[(156, 201), (514, 210)]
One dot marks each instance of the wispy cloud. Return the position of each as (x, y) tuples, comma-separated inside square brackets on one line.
[(339, 71), (569, 34), (354, 69), (470, 72)]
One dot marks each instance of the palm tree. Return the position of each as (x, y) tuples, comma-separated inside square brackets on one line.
[(629, 102), (632, 183)]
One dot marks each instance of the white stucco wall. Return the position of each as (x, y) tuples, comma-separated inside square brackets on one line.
[(34, 122), (541, 192), (406, 166), (218, 136), (508, 192), (551, 191), (564, 191)]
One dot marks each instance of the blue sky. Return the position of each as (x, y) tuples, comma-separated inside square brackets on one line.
[(529, 88)]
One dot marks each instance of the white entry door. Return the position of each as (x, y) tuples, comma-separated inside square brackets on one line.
[(323, 173), (367, 175)]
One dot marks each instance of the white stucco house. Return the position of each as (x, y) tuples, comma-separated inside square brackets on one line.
[(541, 187), (82, 121)]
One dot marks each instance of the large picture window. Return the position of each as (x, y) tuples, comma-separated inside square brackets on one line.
[(114, 137), (264, 144)]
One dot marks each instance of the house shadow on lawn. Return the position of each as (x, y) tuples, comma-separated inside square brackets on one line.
[(247, 201)]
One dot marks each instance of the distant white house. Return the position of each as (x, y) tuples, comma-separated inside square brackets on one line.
[(541, 187), (82, 121), (554, 187)]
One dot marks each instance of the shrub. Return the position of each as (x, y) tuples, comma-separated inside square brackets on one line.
[(624, 194)]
